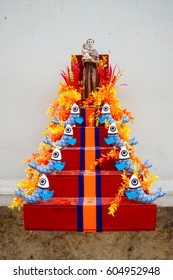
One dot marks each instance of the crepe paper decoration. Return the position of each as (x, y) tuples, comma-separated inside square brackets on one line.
[(67, 96), (28, 185), (54, 164), (113, 154), (107, 75), (116, 202), (17, 203), (102, 62), (104, 95), (43, 156), (72, 76), (66, 139), (41, 192), (107, 94), (91, 119), (146, 181), (73, 118), (54, 132), (136, 192), (97, 114), (123, 131), (121, 191)]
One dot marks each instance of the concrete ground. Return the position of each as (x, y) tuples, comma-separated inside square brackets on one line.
[(16, 243)]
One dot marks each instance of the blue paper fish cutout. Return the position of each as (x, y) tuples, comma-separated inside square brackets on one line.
[(136, 192), (41, 192), (125, 162), (65, 140), (54, 164), (114, 139), (106, 115)]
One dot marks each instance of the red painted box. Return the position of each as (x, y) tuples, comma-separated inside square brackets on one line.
[(89, 214), (91, 183), (77, 158), (90, 136), (130, 216), (56, 214)]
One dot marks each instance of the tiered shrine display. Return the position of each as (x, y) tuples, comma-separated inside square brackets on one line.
[(86, 176)]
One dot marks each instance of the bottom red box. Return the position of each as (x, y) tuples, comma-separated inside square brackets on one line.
[(89, 215)]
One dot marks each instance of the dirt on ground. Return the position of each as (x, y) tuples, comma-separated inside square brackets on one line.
[(18, 244)]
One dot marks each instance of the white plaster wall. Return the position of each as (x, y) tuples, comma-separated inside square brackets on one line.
[(37, 38)]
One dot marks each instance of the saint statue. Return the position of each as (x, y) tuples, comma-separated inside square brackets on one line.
[(90, 58)]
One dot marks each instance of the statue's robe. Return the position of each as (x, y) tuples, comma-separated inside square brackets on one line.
[(90, 79)]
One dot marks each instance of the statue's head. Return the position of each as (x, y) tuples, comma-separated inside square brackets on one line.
[(90, 43)]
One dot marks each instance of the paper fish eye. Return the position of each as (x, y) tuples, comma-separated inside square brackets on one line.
[(134, 181), (106, 108), (75, 109), (56, 154), (42, 181), (68, 129), (124, 153), (113, 128)]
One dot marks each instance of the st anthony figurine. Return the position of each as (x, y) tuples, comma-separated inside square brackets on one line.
[(90, 58)]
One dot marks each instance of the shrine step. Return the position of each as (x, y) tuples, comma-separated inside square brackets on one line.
[(89, 215), (85, 184), (81, 158), (90, 136)]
